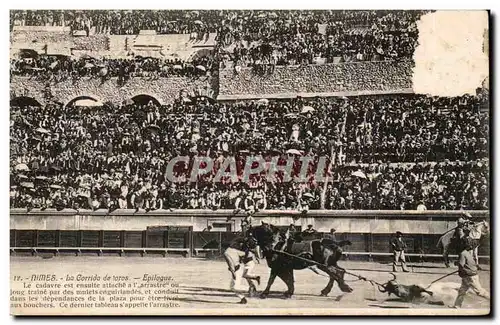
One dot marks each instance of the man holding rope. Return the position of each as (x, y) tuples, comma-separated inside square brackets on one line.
[(467, 270)]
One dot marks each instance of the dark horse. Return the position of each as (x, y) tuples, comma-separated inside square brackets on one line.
[(321, 251)]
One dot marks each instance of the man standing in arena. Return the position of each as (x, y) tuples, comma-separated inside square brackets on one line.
[(241, 261), (398, 247)]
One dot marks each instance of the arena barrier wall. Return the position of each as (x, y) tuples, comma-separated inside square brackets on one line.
[(165, 89), (341, 79), (184, 231)]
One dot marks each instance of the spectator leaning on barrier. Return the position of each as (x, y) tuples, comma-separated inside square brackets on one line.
[(310, 231)]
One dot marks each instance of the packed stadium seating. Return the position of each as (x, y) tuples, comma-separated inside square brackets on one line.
[(391, 151), (97, 156)]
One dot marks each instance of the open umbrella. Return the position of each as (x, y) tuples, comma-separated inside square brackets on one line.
[(307, 109), (293, 152), (22, 167), (153, 128), (28, 53), (308, 195), (87, 103), (198, 22), (86, 56), (359, 174), (103, 72), (42, 130), (263, 101)]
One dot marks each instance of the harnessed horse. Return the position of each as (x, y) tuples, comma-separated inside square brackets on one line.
[(324, 252), (477, 230)]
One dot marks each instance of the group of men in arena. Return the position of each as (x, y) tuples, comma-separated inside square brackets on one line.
[(243, 253)]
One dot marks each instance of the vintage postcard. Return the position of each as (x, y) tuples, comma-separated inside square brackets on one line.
[(249, 162)]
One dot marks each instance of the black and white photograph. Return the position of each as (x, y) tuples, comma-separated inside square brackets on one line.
[(249, 162)]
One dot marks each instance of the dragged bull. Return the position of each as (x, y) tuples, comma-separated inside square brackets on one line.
[(407, 293)]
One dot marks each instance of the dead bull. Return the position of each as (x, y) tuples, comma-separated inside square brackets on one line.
[(405, 292)]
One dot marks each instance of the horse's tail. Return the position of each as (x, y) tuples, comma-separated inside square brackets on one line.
[(334, 245), (440, 242), (344, 243)]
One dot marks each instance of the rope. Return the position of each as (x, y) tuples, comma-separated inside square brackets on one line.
[(360, 277), (441, 278)]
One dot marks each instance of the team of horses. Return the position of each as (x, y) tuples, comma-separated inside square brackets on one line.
[(324, 254)]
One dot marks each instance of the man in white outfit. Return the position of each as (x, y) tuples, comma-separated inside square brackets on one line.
[(241, 262)]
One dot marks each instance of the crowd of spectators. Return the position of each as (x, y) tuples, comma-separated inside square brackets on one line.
[(249, 37), (305, 37), (386, 152), (58, 68), (122, 22)]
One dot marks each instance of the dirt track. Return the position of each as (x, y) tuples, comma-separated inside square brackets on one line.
[(204, 284)]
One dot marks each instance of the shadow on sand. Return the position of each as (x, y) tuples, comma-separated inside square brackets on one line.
[(186, 299)]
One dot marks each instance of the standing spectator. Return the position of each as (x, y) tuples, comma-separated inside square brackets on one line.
[(398, 247)]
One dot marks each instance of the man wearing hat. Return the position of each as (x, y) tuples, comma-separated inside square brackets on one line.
[(467, 270), (461, 230), (331, 235), (398, 248), (247, 221), (240, 261), (309, 231)]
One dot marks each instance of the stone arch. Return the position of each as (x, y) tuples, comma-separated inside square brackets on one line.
[(74, 99), (25, 101), (144, 98)]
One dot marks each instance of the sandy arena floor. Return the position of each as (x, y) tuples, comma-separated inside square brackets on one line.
[(204, 284)]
